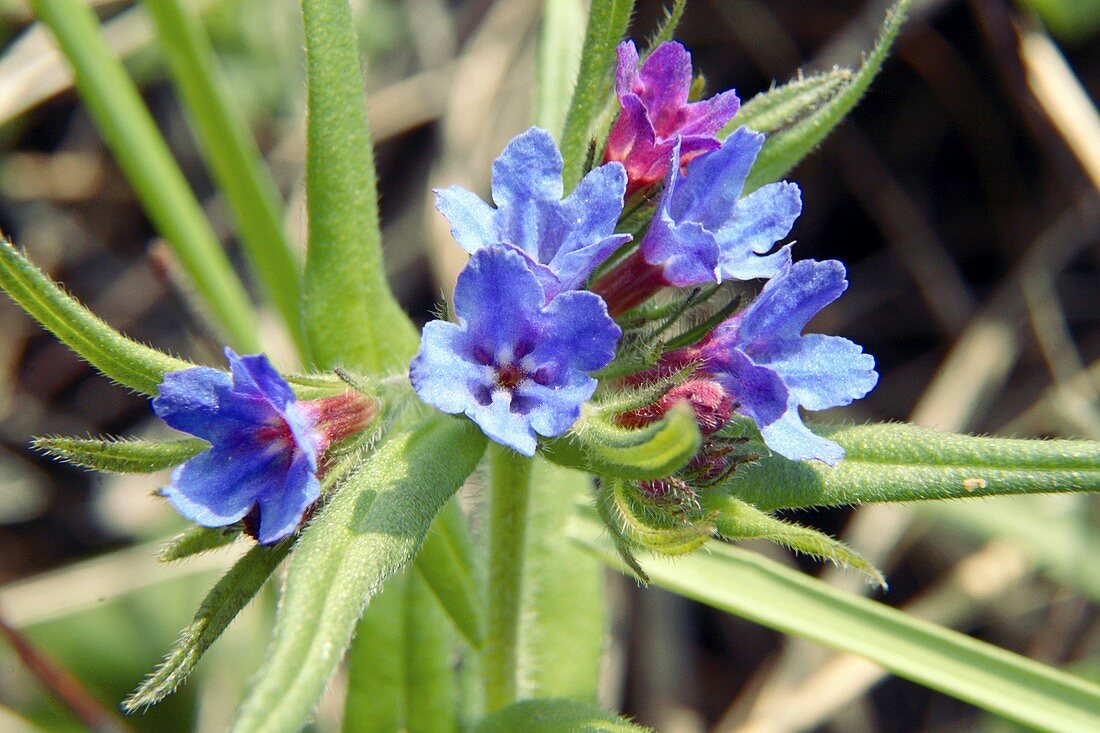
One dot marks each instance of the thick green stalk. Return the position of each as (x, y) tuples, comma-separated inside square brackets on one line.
[(131, 134), (349, 314), (232, 155), (510, 478)]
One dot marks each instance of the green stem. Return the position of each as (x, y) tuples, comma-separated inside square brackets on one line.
[(232, 155), (510, 478), (131, 134)]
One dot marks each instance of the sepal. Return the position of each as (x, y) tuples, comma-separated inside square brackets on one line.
[(118, 455), (596, 443)]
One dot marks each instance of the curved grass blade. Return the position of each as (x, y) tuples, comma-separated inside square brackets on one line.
[(783, 150), (137, 145), (668, 25), (128, 362), (763, 591), (894, 462), (556, 716), (117, 455), (446, 563), (232, 155), (349, 314), (198, 540), (782, 107), (370, 529), (607, 24)]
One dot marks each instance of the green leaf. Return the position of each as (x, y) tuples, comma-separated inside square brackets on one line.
[(118, 455), (783, 107), (563, 616), (668, 26), (198, 540), (350, 315), (894, 462), (597, 444), (129, 130), (129, 363), (232, 155), (607, 24), (446, 563), (764, 591), (557, 60), (400, 675), (556, 716), (371, 528), (736, 520), (784, 149), (221, 605)]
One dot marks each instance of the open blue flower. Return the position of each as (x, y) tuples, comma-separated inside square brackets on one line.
[(761, 358), (516, 364), (264, 446), (562, 240), (704, 231)]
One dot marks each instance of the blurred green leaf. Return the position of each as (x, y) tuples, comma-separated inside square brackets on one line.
[(400, 673), (558, 58), (596, 444), (117, 455), (132, 135), (607, 24), (784, 149), (556, 716), (897, 462), (764, 591), (129, 363), (232, 155), (351, 318), (446, 563), (1071, 20), (196, 541), (370, 529), (783, 107)]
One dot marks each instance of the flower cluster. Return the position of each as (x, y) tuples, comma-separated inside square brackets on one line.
[(535, 306)]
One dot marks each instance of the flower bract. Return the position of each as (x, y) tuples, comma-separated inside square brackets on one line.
[(514, 363), (562, 240)]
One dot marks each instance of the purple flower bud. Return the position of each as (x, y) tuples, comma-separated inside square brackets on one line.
[(655, 113), (265, 444), (515, 363)]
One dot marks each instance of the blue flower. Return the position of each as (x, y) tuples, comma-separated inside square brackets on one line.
[(264, 446), (761, 358), (704, 231), (563, 241), (516, 364)]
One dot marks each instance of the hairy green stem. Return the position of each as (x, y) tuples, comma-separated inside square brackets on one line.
[(510, 478)]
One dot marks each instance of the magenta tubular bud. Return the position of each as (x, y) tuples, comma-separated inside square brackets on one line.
[(340, 416)]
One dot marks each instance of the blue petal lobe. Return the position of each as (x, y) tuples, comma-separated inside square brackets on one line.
[(788, 437), (472, 220), (788, 301), (826, 371)]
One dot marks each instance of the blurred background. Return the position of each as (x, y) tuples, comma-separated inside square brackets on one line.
[(962, 194)]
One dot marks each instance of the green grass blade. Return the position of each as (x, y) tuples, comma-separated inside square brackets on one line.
[(232, 155), (896, 462), (127, 362), (132, 135), (607, 24), (667, 28), (556, 62), (783, 150), (350, 315), (783, 107), (556, 716), (445, 562), (371, 528), (761, 590), (198, 540), (221, 605), (118, 455)]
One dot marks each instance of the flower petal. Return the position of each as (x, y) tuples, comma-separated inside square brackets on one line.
[(762, 218), (758, 391), (580, 233), (473, 222), (787, 303), (441, 373), (826, 371), (526, 179), (578, 333), (713, 183), (790, 438), (495, 278), (254, 375), (189, 400), (283, 505), (553, 410), (217, 487), (504, 425)]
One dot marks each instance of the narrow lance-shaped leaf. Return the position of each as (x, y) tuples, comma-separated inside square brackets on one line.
[(128, 362), (130, 132), (783, 150), (783, 107), (668, 25), (371, 529), (350, 315), (559, 54), (607, 24), (446, 563), (197, 540), (231, 154), (556, 716), (906, 463), (121, 456), (764, 591), (654, 451)]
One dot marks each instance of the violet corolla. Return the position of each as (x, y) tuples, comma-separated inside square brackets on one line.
[(655, 114), (516, 363), (562, 240), (265, 444)]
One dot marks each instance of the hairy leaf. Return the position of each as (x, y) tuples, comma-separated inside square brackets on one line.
[(198, 540), (556, 716), (446, 563), (121, 456), (559, 54)]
